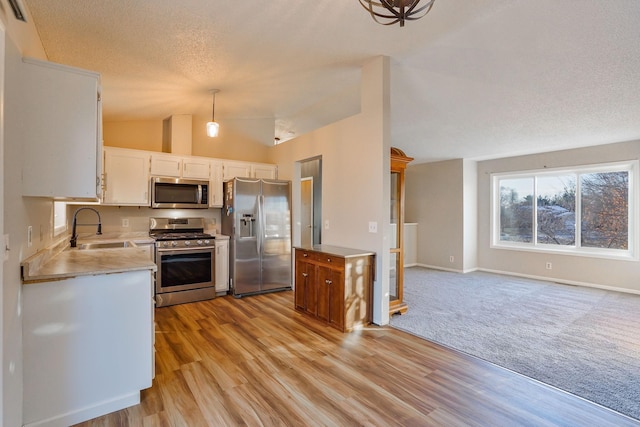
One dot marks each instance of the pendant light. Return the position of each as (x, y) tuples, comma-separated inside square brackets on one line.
[(389, 12), (213, 127)]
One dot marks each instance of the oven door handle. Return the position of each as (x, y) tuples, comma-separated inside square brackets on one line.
[(189, 249)]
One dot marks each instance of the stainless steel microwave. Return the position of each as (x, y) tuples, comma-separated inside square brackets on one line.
[(178, 193)]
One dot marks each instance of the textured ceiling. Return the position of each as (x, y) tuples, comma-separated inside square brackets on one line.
[(479, 79)]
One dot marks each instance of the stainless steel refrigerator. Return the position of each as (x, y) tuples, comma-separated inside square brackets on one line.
[(256, 215)]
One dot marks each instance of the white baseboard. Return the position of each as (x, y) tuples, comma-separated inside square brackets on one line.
[(562, 281), (84, 414), (531, 276)]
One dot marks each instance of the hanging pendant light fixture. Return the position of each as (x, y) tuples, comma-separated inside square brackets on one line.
[(213, 127), (389, 12)]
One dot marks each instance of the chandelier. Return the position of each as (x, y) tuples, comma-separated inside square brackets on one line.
[(388, 12)]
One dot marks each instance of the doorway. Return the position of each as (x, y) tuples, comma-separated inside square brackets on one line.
[(311, 201), (306, 212)]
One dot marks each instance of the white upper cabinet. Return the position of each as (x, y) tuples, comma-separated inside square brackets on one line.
[(166, 165), (232, 169), (126, 177), (62, 130), (128, 174), (196, 168), (179, 167), (215, 185), (259, 170)]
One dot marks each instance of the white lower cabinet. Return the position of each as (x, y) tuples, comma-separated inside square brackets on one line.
[(222, 264), (88, 346)]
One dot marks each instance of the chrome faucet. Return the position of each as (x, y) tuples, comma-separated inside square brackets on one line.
[(74, 235)]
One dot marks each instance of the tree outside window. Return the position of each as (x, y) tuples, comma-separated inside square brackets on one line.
[(573, 210)]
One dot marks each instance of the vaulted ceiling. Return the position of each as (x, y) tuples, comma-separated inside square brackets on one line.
[(472, 79)]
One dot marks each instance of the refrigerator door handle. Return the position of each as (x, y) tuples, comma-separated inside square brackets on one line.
[(260, 225)]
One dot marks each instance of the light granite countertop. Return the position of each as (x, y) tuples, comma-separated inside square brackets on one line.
[(335, 250), (62, 262)]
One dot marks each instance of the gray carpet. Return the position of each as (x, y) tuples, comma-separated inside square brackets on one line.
[(582, 340)]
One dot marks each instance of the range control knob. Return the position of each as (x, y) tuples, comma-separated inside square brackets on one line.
[(187, 242), (206, 242), (199, 242), (174, 243), (165, 244)]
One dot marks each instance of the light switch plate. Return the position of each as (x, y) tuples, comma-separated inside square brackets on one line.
[(373, 227)]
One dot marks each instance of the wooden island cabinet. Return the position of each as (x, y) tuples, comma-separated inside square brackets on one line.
[(334, 285)]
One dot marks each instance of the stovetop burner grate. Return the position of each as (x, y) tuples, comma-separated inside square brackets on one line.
[(179, 236)]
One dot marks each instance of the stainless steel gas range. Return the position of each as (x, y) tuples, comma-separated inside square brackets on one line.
[(185, 257)]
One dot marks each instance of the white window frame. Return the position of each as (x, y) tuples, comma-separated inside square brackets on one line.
[(59, 218), (631, 253)]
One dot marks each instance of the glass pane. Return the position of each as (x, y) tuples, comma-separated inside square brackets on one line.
[(394, 241), (393, 277), (516, 210), (556, 210), (605, 210)]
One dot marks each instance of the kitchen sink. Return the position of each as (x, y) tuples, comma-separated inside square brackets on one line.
[(107, 245)]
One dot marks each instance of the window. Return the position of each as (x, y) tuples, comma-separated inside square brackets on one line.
[(590, 210), (59, 218)]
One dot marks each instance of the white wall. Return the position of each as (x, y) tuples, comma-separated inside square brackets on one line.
[(240, 139), (355, 177), (21, 40), (470, 214), (616, 274), (434, 199)]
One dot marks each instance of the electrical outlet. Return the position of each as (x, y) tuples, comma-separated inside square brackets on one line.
[(29, 236), (125, 222), (373, 227), (451, 258), (326, 224), (549, 266)]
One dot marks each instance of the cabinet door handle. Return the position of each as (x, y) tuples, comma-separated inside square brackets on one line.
[(328, 259), (305, 255), (328, 282), (304, 274)]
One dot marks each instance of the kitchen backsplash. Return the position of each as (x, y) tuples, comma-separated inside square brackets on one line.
[(115, 219)]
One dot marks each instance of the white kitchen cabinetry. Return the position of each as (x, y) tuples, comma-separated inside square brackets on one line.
[(233, 169), (62, 119), (179, 167), (195, 168), (215, 184), (166, 165), (259, 170), (222, 264), (126, 177), (88, 346)]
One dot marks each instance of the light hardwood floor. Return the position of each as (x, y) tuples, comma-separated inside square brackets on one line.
[(256, 361)]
